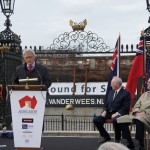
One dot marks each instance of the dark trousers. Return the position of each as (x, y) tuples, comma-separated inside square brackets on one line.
[(118, 128), (126, 132), (139, 132), (99, 123)]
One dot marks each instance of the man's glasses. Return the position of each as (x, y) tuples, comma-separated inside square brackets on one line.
[(28, 57)]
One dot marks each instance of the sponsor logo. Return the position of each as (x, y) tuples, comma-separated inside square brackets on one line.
[(29, 136), (24, 126), (27, 120), (27, 140), (30, 126), (27, 132)]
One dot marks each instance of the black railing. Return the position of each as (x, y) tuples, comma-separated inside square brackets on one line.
[(78, 123), (123, 49), (54, 122), (71, 123)]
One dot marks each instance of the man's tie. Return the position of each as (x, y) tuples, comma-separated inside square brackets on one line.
[(112, 100), (115, 94), (30, 68)]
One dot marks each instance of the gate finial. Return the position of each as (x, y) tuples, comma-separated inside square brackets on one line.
[(78, 26)]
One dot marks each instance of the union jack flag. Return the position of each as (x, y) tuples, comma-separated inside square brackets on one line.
[(140, 49), (113, 70)]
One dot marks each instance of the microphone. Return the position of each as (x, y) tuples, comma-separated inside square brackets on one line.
[(39, 75), (14, 78)]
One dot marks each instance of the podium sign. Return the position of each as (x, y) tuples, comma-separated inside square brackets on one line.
[(27, 117)]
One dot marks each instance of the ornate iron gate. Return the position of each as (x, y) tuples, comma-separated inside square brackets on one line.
[(8, 63)]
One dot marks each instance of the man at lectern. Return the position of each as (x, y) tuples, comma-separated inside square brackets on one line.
[(31, 73), (31, 70)]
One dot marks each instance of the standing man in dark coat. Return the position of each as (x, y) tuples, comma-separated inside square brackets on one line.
[(117, 104), (31, 69)]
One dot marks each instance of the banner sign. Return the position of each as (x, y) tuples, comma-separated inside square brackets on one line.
[(61, 94), (78, 100), (65, 88), (27, 117)]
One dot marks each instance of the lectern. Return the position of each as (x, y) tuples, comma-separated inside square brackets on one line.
[(27, 107)]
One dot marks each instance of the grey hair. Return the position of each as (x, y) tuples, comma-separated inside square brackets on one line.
[(112, 146), (30, 51), (118, 80)]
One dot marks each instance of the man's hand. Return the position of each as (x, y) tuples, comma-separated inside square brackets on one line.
[(138, 114), (103, 114), (116, 115)]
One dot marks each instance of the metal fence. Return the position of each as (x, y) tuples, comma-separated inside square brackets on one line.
[(71, 123)]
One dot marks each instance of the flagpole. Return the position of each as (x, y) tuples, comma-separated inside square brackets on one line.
[(74, 79), (118, 58), (144, 77), (144, 59), (86, 74)]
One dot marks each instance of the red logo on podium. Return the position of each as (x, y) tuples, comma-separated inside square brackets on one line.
[(27, 101)]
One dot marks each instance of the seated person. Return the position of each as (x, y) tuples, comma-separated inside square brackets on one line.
[(116, 105), (141, 116)]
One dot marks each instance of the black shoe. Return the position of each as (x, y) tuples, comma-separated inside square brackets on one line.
[(103, 140), (130, 146)]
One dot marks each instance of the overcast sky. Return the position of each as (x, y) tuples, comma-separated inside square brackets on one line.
[(39, 22)]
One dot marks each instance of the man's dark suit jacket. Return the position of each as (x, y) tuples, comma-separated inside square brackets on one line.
[(39, 71), (120, 104)]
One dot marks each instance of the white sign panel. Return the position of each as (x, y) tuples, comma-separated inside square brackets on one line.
[(27, 117), (65, 88)]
